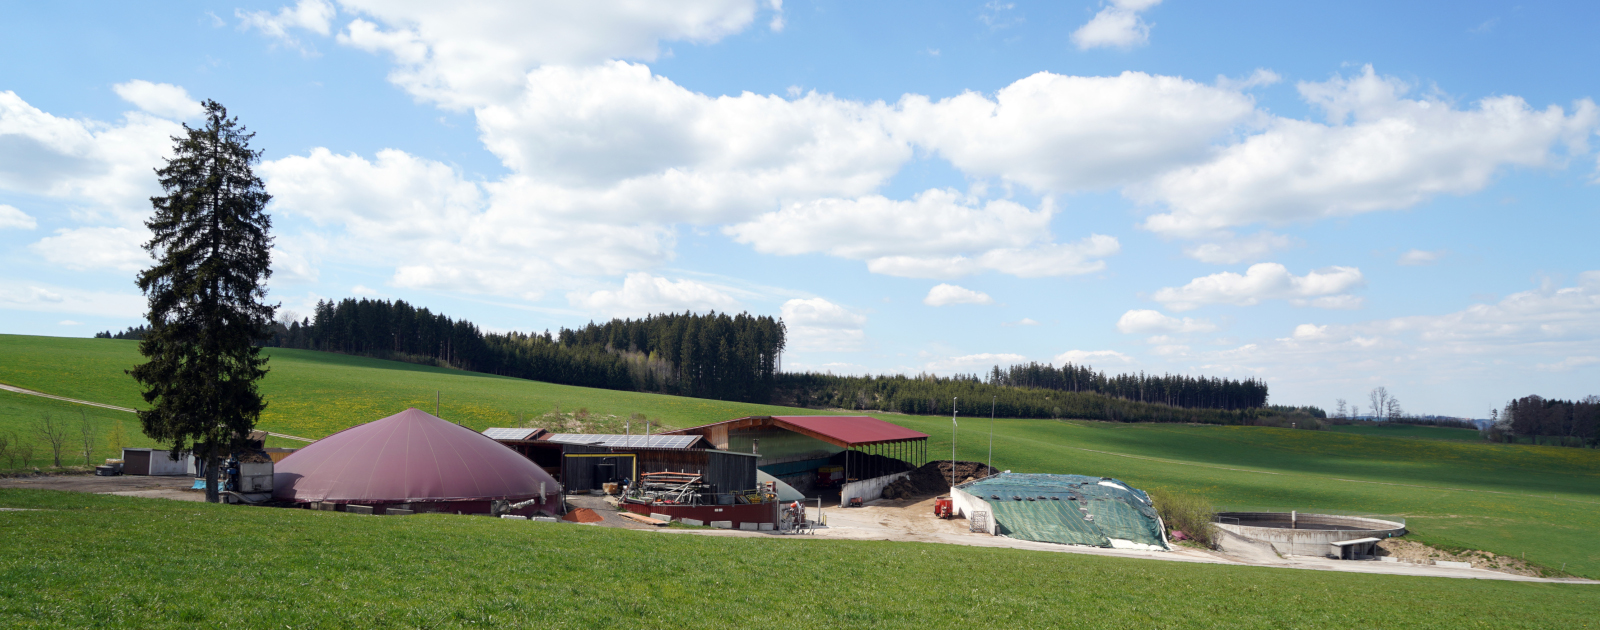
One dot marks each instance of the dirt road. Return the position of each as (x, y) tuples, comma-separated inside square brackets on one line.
[(175, 488)]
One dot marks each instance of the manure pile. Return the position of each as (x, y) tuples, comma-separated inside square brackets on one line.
[(934, 478)]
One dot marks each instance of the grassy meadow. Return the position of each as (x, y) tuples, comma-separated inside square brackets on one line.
[(1542, 501), (1410, 431), (114, 562), (313, 394), (1539, 501)]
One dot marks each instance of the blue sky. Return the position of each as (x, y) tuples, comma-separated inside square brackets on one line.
[(1331, 198)]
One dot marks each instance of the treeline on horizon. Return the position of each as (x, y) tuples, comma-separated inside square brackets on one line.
[(967, 396), (716, 355), (1548, 421), (735, 357), (1168, 389)]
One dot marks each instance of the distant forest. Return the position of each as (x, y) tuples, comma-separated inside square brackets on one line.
[(971, 396), (707, 356), (735, 357), (1172, 390), (1548, 421)]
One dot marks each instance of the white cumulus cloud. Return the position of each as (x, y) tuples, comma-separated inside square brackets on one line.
[(946, 294), (1052, 132), (815, 324), (1310, 332), (642, 294), (463, 55), (937, 234), (103, 168), (1378, 151), (311, 15), (162, 99), (1266, 281), (96, 248), (1118, 25), (1054, 259), (616, 140), (1145, 322), (443, 232), (10, 217)]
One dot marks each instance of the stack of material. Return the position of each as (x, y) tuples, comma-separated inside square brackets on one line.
[(1070, 509), (582, 515), (934, 478), (670, 488)]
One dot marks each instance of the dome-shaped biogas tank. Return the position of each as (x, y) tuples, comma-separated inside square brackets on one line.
[(409, 457)]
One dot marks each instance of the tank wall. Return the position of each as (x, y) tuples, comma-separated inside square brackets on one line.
[(1309, 542)]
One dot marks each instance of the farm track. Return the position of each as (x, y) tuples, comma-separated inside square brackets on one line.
[(29, 392)]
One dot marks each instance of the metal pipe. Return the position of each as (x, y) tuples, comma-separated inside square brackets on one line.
[(953, 426), (992, 400)]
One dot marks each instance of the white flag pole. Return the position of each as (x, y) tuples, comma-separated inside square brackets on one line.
[(953, 426)]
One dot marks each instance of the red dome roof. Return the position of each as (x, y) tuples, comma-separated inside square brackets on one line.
[(406, 457)]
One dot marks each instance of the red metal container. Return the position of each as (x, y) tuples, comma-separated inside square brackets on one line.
[(944, 507)]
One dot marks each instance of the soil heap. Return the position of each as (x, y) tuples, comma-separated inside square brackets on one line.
[(934, 478)]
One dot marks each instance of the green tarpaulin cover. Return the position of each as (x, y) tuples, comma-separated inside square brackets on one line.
[(1068, 509)]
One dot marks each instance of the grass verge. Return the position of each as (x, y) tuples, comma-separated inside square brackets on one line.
[(116, 562)]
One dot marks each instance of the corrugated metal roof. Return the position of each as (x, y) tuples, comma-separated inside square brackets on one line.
[(501, 433), (626, 441), (853, 429)]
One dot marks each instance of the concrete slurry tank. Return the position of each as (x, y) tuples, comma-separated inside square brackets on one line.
[(1300, 534)]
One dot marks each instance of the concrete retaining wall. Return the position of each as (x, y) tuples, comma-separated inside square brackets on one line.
[(965, 504), (1310, 542), (868, 489)]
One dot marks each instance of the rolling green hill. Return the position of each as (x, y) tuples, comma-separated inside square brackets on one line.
[(1510, 499), (1411, 431), (82, 561)]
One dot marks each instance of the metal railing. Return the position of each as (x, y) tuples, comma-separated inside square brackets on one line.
[(1227, 520)]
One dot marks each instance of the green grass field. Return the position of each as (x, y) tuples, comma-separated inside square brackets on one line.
[(1540, 501), (85, 561), (1411, 431), (313, 394)]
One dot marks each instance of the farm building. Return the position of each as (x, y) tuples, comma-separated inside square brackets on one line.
[(156, 462), (413, 461), (545, 455), (1067, 509), (630, 455), (868, 452)]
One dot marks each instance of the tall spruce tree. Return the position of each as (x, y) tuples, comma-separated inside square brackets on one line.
[(212, 250)]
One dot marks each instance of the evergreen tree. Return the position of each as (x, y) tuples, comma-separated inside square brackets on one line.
[(211, 243)]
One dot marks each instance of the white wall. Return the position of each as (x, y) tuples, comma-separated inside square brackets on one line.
[(868, 489), (161, 465), (965, 503)]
